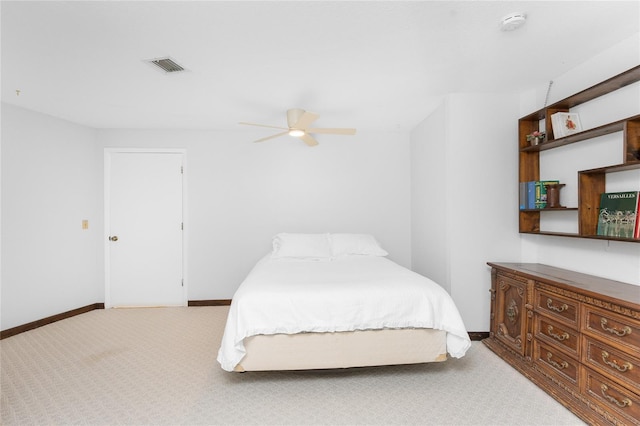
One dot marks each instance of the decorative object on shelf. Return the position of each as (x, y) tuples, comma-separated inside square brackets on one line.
[(535, 138), (553, 195), (618, 214), (546, 97), (565, 124)]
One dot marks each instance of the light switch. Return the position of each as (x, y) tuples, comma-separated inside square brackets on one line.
[(85, 224)]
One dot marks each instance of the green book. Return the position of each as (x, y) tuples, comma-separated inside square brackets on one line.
[(618, 214), (541, 192)]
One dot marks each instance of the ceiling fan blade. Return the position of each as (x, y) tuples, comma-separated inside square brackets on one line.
[(272, 136), (262, 125), (337, 131), (309, 140), (306, 119)]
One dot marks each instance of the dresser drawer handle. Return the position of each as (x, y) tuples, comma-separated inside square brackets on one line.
[(621, 333), (561, 337), (625, 367), (560, 366), (562, 308), (624, 403)]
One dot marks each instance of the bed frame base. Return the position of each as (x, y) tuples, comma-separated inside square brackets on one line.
[(361, 348)]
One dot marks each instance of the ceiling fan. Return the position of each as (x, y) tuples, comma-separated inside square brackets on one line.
[(298, 121)]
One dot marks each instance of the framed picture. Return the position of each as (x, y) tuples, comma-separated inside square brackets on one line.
[(565, 124)]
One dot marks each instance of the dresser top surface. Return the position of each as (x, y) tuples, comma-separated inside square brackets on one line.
[(623, 292)]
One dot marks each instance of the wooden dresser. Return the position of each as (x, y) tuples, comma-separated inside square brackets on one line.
[(575, 335)]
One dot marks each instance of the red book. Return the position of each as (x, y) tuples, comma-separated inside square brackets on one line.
[(636, 232)]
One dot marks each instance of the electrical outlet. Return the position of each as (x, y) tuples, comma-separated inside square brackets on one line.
[(85, 224)]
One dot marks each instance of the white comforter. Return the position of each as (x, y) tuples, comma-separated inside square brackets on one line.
[(345, 294)]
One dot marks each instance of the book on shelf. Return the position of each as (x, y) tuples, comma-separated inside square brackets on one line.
[(618, 215), (565, 124), (527, 195), (541, 192), (533, 194), (522, 198)]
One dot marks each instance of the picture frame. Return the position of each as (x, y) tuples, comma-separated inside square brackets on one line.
[(565, 124)]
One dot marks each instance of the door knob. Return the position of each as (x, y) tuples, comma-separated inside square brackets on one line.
[(114, 238)]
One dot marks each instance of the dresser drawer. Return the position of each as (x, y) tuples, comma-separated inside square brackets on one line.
[(611, 396), (612, 362), (557, 307), (614, 328), (577, 336), (556, 364), (557, 335)]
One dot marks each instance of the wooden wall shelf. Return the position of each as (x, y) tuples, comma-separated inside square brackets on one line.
[(591, 183)]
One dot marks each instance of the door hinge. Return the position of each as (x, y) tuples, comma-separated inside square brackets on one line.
[(182, 169), (182, 226), (182, 283)]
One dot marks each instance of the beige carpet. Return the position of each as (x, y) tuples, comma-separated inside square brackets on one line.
[(157, 366)]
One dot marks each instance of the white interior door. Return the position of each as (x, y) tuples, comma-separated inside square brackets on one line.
[(144, 226)]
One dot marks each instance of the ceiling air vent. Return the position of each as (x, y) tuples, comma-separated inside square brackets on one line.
[(166, 64)]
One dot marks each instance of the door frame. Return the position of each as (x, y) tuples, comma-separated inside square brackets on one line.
[(108, 152)]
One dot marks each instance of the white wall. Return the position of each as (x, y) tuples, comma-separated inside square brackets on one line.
[(429, 242), (463, 196), (240, 194), (613, 260), (50, 183)]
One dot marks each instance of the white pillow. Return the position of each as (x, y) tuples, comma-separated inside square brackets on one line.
[(304, 246), (355, 244)]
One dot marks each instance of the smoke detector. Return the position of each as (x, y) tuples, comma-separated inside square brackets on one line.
[(513, 21)]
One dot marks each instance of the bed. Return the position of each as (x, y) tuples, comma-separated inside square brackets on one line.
[(325, 301)]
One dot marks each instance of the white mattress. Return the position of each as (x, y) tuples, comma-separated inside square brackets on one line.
[(287, 296)]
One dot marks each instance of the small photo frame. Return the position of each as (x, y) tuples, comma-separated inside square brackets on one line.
[(565, 124)]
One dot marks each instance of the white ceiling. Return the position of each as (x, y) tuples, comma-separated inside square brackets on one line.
[(364, 64)]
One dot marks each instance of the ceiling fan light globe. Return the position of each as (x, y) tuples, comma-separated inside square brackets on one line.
[(296, 133)]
